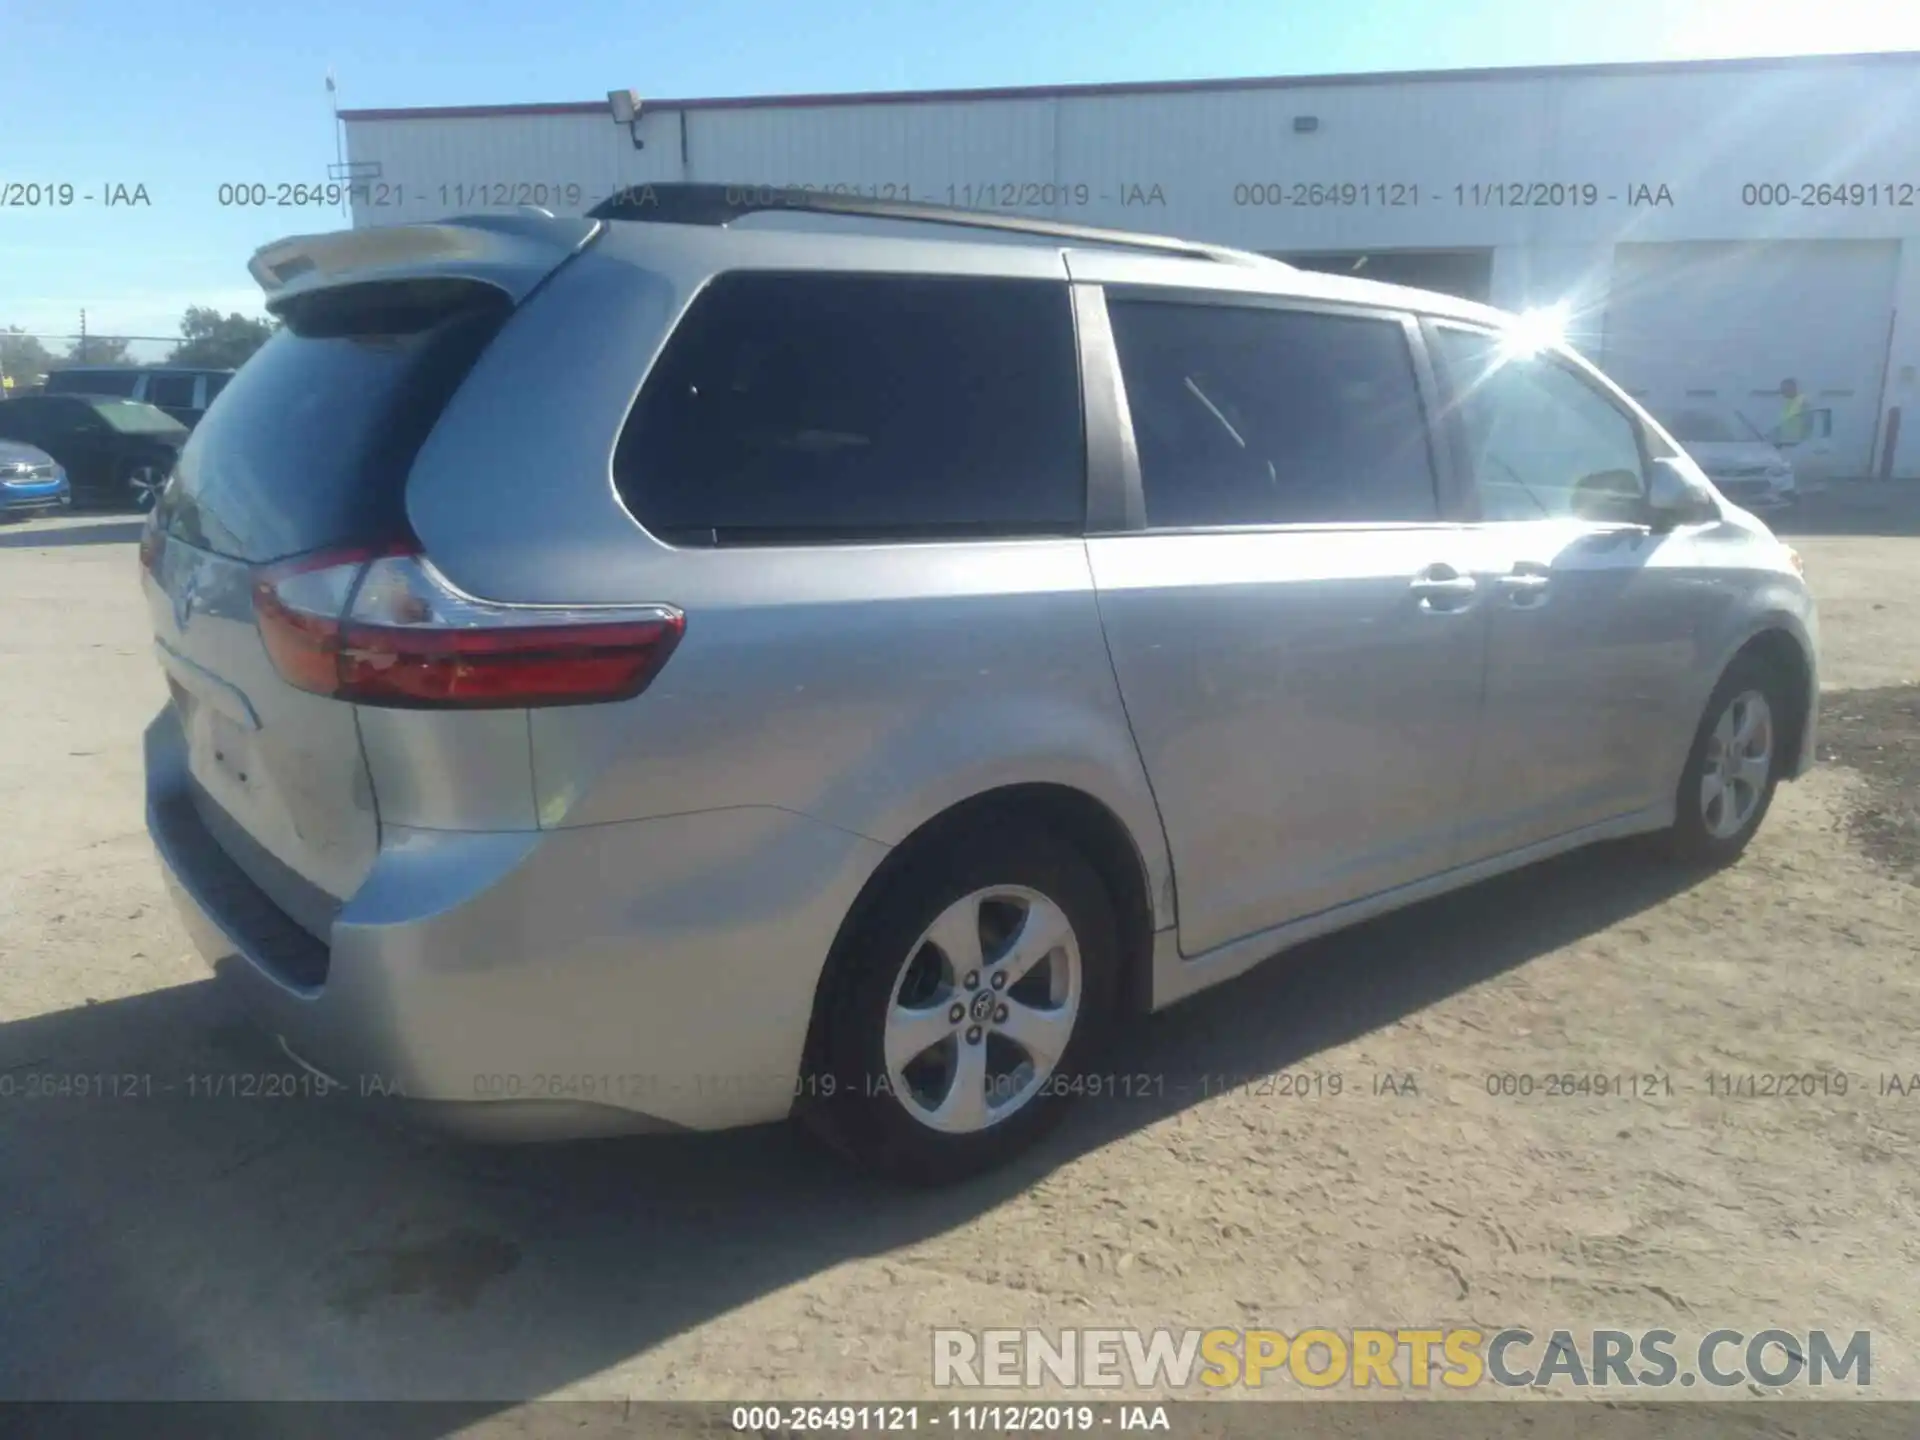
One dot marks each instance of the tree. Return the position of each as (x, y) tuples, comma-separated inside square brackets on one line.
[(218, 341), (98, 350), (23, 359)]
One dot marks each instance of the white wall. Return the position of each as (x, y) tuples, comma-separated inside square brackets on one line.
[(1171, 161), (1726, 321), (1703, 134)]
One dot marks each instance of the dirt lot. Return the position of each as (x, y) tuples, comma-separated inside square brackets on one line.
[(191, 1247)]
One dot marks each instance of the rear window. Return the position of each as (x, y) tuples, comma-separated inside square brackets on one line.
[(136, 417), (311, 444), (92, 382), (793, 409)]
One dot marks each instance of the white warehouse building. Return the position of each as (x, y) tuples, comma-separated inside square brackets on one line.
[(1713, 228)]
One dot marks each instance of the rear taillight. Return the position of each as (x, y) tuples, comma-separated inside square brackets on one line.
[(388, 629), (153, 541)]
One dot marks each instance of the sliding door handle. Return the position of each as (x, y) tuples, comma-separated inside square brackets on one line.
[(1526, 585), (1441, 587)]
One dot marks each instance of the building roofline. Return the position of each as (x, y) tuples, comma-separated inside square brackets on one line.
[(1155, 87)]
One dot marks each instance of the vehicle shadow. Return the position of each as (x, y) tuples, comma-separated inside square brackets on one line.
[(94, 532), (173, 1239)]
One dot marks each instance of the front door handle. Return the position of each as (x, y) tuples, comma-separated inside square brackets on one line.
[(1441, 587)]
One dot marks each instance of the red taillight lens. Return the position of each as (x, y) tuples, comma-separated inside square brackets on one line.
[(512, 667), (389, 630), (299, 607), (305, 648)]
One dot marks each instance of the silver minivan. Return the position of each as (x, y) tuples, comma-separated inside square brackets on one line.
[(726, 658)]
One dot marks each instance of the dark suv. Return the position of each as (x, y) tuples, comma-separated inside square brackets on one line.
[(183, 393), (116, 452)]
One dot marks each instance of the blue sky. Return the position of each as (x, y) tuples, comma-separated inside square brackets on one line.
[(182, 97)]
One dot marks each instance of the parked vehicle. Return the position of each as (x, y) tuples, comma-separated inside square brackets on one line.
[(973, 628), (31, 482), (183, 392), (116, 452), (1742, 462)]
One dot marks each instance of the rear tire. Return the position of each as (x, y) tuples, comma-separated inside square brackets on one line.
[(907, 973), (141, 482), (1733, 768)]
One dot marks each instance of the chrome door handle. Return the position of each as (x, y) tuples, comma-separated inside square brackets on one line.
[(1449, 591), (1526, 586)]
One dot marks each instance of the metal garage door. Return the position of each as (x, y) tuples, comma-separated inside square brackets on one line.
[(1727, 323)]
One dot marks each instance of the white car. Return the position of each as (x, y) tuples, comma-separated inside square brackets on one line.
[(1742, 462)]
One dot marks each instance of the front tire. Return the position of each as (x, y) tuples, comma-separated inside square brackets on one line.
[(1733, 768), (961, 1013)]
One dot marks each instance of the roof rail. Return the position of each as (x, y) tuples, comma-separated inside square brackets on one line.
[(677, 203)]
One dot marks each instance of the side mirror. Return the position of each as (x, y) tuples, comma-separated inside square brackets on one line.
[(1675, 498)]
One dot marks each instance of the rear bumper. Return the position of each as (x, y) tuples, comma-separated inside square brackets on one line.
[(609, 979)]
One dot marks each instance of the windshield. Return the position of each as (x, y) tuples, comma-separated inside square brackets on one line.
[(1709, 427), (131, 417)]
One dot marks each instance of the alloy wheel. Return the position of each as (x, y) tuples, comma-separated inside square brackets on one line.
[(982, 1009), (1739, 759), (146, 483)]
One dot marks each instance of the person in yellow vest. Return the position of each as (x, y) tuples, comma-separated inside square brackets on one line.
[(1792, 428)]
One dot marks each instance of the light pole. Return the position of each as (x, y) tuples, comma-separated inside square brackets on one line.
[(339, 151)]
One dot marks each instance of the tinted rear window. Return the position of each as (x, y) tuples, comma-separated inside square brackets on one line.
[(813, 408), (311, 443), (135, 417)]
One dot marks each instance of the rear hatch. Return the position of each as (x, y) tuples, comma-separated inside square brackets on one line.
[(307, 453)]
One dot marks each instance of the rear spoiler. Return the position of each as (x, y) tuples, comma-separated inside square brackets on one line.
[(513, 253)]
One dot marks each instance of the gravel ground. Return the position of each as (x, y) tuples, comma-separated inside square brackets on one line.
[(184, 1246)]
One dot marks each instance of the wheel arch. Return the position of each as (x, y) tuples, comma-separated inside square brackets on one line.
[(1078, 817), (1788, 653)]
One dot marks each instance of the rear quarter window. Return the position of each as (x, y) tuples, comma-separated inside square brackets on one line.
[(812, 408)]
